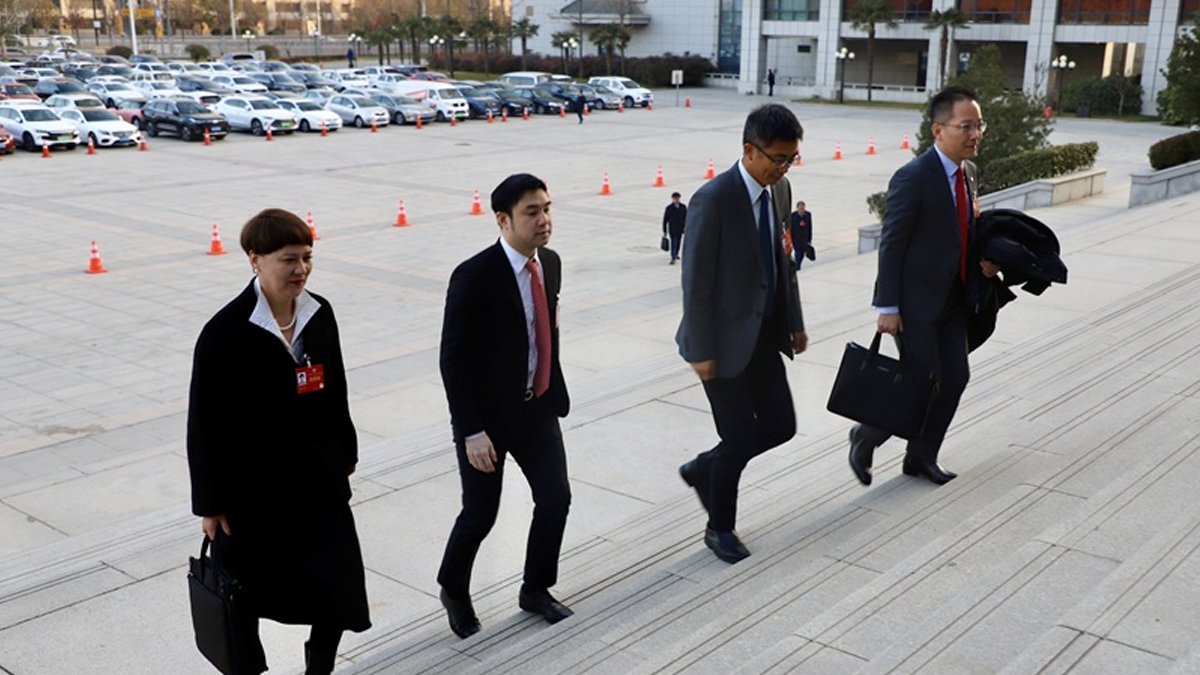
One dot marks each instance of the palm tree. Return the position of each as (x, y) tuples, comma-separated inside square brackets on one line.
[(561, 39), (612, 37), (524, 29), (946, 20), (865, 16), (483, 31)]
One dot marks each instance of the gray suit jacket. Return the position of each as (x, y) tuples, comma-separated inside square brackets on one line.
[(920, 244), (723, 288)]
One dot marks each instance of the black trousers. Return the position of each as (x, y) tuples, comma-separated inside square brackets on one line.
[(676, 240), (537, 447), (753, 413), (939, 345)]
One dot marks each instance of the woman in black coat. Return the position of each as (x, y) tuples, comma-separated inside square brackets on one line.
[(271, 445)]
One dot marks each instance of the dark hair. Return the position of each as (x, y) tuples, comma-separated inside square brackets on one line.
[(272, 229), (675, 194), (941, 108), (769, 123), (510, 191)]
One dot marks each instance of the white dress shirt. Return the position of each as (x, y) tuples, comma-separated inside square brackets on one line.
[(306, 307), (525, 286)]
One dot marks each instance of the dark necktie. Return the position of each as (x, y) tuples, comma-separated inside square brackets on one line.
[(766, 238), (960, 196), (541, 329)]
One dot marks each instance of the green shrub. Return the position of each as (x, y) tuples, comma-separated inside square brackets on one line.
[(876, 204), (197, 53), (270, 52), (1112, 95), (120, 50), (1175, 150), (1057, 160)]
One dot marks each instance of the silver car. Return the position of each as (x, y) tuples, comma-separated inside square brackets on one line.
[(358, 110)]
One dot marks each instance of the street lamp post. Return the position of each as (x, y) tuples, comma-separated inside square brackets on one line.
[(843, 55), (1062, 64), (571, 45), (247, 35), (316, 47), (433, 45)]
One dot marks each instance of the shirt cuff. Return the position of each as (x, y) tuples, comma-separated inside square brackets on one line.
[(472, 437), (888, 310)]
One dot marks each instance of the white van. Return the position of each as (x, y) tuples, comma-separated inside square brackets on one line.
[(631, 92), (444, 99), (524, 78)]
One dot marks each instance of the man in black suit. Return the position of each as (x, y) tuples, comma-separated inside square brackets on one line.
[(500, 368), (920, 295), (674, 222), (741, 309), (802, 234)]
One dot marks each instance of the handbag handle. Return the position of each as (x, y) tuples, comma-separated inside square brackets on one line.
[(875, 344)]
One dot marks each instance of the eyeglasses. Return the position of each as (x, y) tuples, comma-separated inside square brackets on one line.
[(967, 127), (779, 163)]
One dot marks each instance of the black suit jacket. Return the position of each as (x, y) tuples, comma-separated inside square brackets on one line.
[(920, 245), (674, 219), (485, 345)]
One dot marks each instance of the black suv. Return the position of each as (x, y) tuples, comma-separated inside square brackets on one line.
[(280, 82), (183, 116)]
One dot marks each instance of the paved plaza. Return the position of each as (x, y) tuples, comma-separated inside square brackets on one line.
[(1068, 544)]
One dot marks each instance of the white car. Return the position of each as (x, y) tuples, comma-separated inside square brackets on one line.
[(102, 126), (242, 84), (210, 68), (358, 110), (112, 93), (256, 114), (157, 88), (184, 68), (388, 82), (631, 92), (310, 114), (347, 78), (33, 124), (73, 100)]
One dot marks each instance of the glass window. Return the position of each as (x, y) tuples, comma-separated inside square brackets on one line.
[(1104, 12), (793, 10)]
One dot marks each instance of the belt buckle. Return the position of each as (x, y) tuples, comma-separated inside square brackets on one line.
[(528, 395)]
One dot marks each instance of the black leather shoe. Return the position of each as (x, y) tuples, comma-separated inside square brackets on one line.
[(930, 470), (862, 454), (461, 613), (541, 602), (690, 474), (726, 545)]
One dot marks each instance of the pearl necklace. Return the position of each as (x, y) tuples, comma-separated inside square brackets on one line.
[(291, 324)]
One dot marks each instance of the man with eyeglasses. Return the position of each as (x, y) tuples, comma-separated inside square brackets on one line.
[(741, 310), (920, 287)]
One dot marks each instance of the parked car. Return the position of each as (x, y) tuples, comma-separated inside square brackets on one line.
[(111, 58), (256, 114), (403, 110), (102, 126), (279, 81), (310, 114), (540, 102), (479, 104), (130, 110), (80, 73), (247, 67), (589, 94), (185, 117), (560, 92), (8, 144), (15, 91), (237, 57), (275, 67), (117, 69), (49, 86), (36, 124), (318, 96), (156, 88), (184, 68), (523, 78), (346, 78), (389, 82), (358, 110), (194, 84), (159, 70), (144, 58), (240, 83), (631, 92), (444, 99), (306, 67), (210, 68), (78, 100), (606, 98), (113, 93)]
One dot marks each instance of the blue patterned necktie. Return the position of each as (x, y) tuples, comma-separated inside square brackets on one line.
[(766, 238)]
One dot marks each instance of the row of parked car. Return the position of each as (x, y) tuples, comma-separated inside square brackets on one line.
[(112, 102)]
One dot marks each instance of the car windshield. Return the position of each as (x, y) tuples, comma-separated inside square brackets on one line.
[(306, 106), (130, 104), (17, 90), (88, 103), (363, 102), (404, 100), (65, 87), (38, 115), (218, 68), (264, 105), (242, 79), (629, 84), (99, 115), (117, 86), (451, 93), (191, 108), (283, 77), (156, 84), (471, 92)]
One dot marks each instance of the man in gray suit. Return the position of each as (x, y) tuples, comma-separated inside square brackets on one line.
[(920, 295), (741, 309)]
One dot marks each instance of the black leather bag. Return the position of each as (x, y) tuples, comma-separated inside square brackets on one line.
[(878, 391), (226, 633), (665, 243)]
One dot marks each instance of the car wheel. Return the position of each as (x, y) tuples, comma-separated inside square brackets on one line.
[(399, 118), (137, 122), (628, 101), (256, 127), (441, 117), (95, 141), (186, 133), (358, 122), (152, 129), (304, 126), (600, 105), (29, 143)]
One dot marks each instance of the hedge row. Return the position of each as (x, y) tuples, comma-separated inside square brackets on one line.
[(650, 71), (1112, 95), (1056, 160), (1175, 150)]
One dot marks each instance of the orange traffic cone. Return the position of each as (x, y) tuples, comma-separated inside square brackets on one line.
[(374, 127), (711, 173), (687, 101), (871, 146), (490, 117), (606, 189), (402, 217), (525, 112), (658, 179), (562, 112), (649, 105), (476, 205), (91, 146), (904, 145), (621, 107), (45, 149), (586, 111), (1048, 112), (94, 264), (504, 114), (217, 247), (270, 136), (312, 228), (143, 147), (453, 120), (418, 121), (207, 137), (324, 129), (837, 152)]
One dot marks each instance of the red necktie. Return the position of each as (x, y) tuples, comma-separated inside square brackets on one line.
[(960, 196), (541, 329)]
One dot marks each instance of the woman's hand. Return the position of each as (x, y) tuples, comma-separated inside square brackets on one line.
[(209, 525)]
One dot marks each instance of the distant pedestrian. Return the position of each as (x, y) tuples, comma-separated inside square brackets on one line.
[(580, 105), (674, 218), (350, 57), (771, 82), (802, 234)]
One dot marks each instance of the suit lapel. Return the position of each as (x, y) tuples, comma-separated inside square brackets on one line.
[(503, 273), (745, 219)]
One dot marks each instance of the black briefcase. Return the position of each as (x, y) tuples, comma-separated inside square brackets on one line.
[(665, 244), (226, 632), (878, 391)]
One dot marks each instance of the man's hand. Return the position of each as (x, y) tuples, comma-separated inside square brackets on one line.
[(481, 454), (210, 523), (890, 324), (799, 341), (990, 269), (707, 370)]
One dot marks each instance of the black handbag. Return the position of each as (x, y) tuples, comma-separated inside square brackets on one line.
[(226, 632), (665, 243), (878, 391)]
